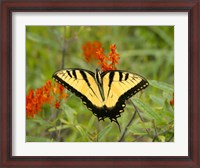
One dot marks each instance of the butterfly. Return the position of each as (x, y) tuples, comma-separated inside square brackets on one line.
[(104, 93)]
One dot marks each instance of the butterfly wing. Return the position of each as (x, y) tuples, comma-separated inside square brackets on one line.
[(118, 86), (82, 83)]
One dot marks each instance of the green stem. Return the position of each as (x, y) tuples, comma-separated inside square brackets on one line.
[(156, 133), (140, 116), (126, 128)]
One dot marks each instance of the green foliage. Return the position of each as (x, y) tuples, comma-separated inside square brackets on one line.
[(145, 50), (104, 132), (37, 139)]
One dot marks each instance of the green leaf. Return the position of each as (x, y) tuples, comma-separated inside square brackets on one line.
[(41, 121), (141, 128), (162, 85), (157, 100), (167, 95), (162, 138), (140, 133), (64, 121), (37, 139), (82, 131), (104, 132), (91, 123), (166, 113), (70, 113), (60, 127), (147, 110)]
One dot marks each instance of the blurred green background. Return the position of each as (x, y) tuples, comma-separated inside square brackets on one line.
[(145, 50)]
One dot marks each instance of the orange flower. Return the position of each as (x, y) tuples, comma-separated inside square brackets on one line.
[(57, 105), (46, 94), (114, 57), (103, 59), (58, 90), (89, 50), (172, 101)]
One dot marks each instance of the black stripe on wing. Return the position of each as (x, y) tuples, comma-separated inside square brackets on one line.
[(99, 112), (111, 76)]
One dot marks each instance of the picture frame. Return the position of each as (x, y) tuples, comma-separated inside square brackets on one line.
[(8, 7)]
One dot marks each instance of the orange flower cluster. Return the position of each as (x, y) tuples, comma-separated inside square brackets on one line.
[(89, 50), (94, 51), (112, 58), (46, 94)]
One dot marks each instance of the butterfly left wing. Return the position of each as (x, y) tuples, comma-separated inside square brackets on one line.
[(118, 86), (82, 83)]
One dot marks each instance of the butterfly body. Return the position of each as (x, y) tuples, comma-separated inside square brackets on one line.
[(104, 93)]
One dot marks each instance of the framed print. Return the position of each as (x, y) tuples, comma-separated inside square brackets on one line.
[(108, 84)]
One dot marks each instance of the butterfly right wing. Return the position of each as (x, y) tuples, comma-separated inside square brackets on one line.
[(82, 83), (119, 86)]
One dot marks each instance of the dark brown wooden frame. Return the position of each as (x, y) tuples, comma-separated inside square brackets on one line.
[(9, 6)]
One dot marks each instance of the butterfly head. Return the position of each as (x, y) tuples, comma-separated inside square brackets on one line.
[(98, 75)]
